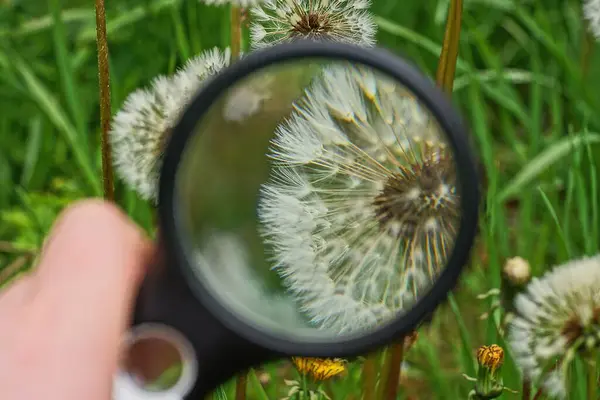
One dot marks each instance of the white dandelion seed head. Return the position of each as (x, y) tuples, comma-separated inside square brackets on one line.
[(361, 208), (556, 312), (138, 133), (141, 128), (591, 11), (196, 71), (277, 21)]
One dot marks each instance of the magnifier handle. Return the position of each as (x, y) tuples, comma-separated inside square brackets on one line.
[(218, 353)]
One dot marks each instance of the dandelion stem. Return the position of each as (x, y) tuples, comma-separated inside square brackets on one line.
[(587, 48), (304, 383), (240, 387), (236, 31), (449, 54), (369, 373), (526, 389), (395, 356), (538, 394), (592, 371), (104, 85)]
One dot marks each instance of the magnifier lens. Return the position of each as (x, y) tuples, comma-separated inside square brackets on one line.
[(317, 199)]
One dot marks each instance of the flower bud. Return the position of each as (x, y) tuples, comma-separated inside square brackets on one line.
[(489, 384), (517, 271)]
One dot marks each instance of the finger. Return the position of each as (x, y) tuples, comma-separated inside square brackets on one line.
[(88, 276), (17, 294), (12, 300)]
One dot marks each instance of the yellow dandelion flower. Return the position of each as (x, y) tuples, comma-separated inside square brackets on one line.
[(490, 357), (319, 368), (489, 383)]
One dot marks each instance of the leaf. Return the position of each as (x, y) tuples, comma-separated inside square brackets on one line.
[(545, 160), (48, 103), (256, 386)]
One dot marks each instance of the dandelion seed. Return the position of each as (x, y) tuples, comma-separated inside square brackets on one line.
[(319, 369), (277, 21), (591, 11), (361, 208), (557, 317), (141, 129)]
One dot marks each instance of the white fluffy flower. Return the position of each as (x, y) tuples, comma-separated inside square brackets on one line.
[(591, 10), (138, 134), (141, 128), (360, 211), (557, 316), (277, 21), (189, 79)]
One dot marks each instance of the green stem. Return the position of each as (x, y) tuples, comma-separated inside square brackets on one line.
[(256, 387), (369, 374), (526, 390), (592, 387), (240, 387), (104, 85), (538, 394), (304, 383), (587, 48), (395, 357), (449, 54), (236, 32)]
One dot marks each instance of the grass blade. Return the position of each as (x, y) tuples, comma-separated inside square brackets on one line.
[(67, 73), (544, 161), (256, 386), (42, 96), (32, 152)]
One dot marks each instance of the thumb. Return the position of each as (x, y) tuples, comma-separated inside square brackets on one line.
[(88, 276)]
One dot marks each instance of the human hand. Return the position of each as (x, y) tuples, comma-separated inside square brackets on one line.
[(61, 325)]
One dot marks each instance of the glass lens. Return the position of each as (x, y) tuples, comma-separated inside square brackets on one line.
[(320, 199)]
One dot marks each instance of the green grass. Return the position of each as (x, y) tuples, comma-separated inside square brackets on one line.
[(533, 114)]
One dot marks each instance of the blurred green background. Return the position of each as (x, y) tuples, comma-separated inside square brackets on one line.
[(527, 83)]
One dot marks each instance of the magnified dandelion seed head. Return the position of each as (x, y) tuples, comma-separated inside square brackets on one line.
[(141, 129), (591, 11), (361, 208), (277, 21), (557, 317)]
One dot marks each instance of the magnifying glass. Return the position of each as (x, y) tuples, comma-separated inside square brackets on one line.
[(316, 199)]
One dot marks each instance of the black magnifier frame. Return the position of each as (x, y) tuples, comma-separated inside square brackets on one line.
[(178, 250)]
